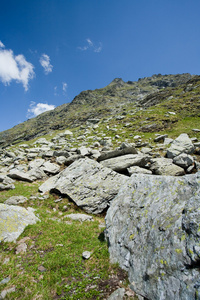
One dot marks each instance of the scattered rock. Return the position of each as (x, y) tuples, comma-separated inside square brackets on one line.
[(181, 144), (41, 141), (20, 175), (73, 158), (51, 168), (121, 163), (83, 151), (79, 217), (21, 248), (6, 183), (61, 153), (36, 174), (86, 254), (7, 291), (165, 166), (196, 130), (42, 269), (118, 152), (68, 132), (138, 170), (160, 138), (60, 160), (37, 163), (13, 220), (183, 160), (168, 141), (5, 280), (117, 295), (15, 200)]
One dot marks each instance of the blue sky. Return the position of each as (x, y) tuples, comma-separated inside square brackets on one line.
[(51, 50)]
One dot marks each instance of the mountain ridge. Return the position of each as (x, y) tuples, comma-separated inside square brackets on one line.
[(98, 103)]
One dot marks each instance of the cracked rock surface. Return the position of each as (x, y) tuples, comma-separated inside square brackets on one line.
[(153, 232)]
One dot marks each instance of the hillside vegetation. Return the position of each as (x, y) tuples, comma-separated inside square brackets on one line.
[(131, 99)]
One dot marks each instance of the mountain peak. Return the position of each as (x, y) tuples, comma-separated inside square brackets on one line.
[(117, 81)]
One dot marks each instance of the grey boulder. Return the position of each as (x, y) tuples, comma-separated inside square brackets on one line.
[(79, 217), (138, 170), (20, 175), (15, 200), (117, 294), (165, 166), (48, 184), (182, 144), (183, 160), (13, 220), (121, 163), (88, 184), (117, 152), (60, 160), (36, 163), (6, 183), (152, 228), (51, 168), (36, 174)]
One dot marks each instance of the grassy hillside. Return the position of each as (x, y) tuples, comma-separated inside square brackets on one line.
[(116, 98)]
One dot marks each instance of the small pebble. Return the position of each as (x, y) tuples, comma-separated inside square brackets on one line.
[(42, 269), (5, 280), (86, 254)]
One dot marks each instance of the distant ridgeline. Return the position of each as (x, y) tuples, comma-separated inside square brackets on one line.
[(117, 97)]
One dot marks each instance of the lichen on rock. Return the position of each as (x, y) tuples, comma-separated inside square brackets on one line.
[(13, 220), (152, 228)]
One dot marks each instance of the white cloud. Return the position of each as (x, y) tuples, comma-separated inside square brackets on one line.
[(45, 63), (64, 86), (14, 68), (89, 42), (37, 109), (91, 46), (1, 45)]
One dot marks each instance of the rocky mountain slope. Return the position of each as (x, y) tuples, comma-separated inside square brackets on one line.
[(117, 98), (109, 163)]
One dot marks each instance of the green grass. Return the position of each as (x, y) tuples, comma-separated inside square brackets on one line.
[(21, 189), (58, 246)]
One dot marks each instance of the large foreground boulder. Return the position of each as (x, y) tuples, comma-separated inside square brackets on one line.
[(88, 184), (153, 232), (13, 220)]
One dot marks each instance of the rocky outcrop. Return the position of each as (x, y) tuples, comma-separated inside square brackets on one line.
[(90, 185), (153, 232), (13, 220)]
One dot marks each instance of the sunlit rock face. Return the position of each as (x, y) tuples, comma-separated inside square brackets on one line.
[(152, 227)]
